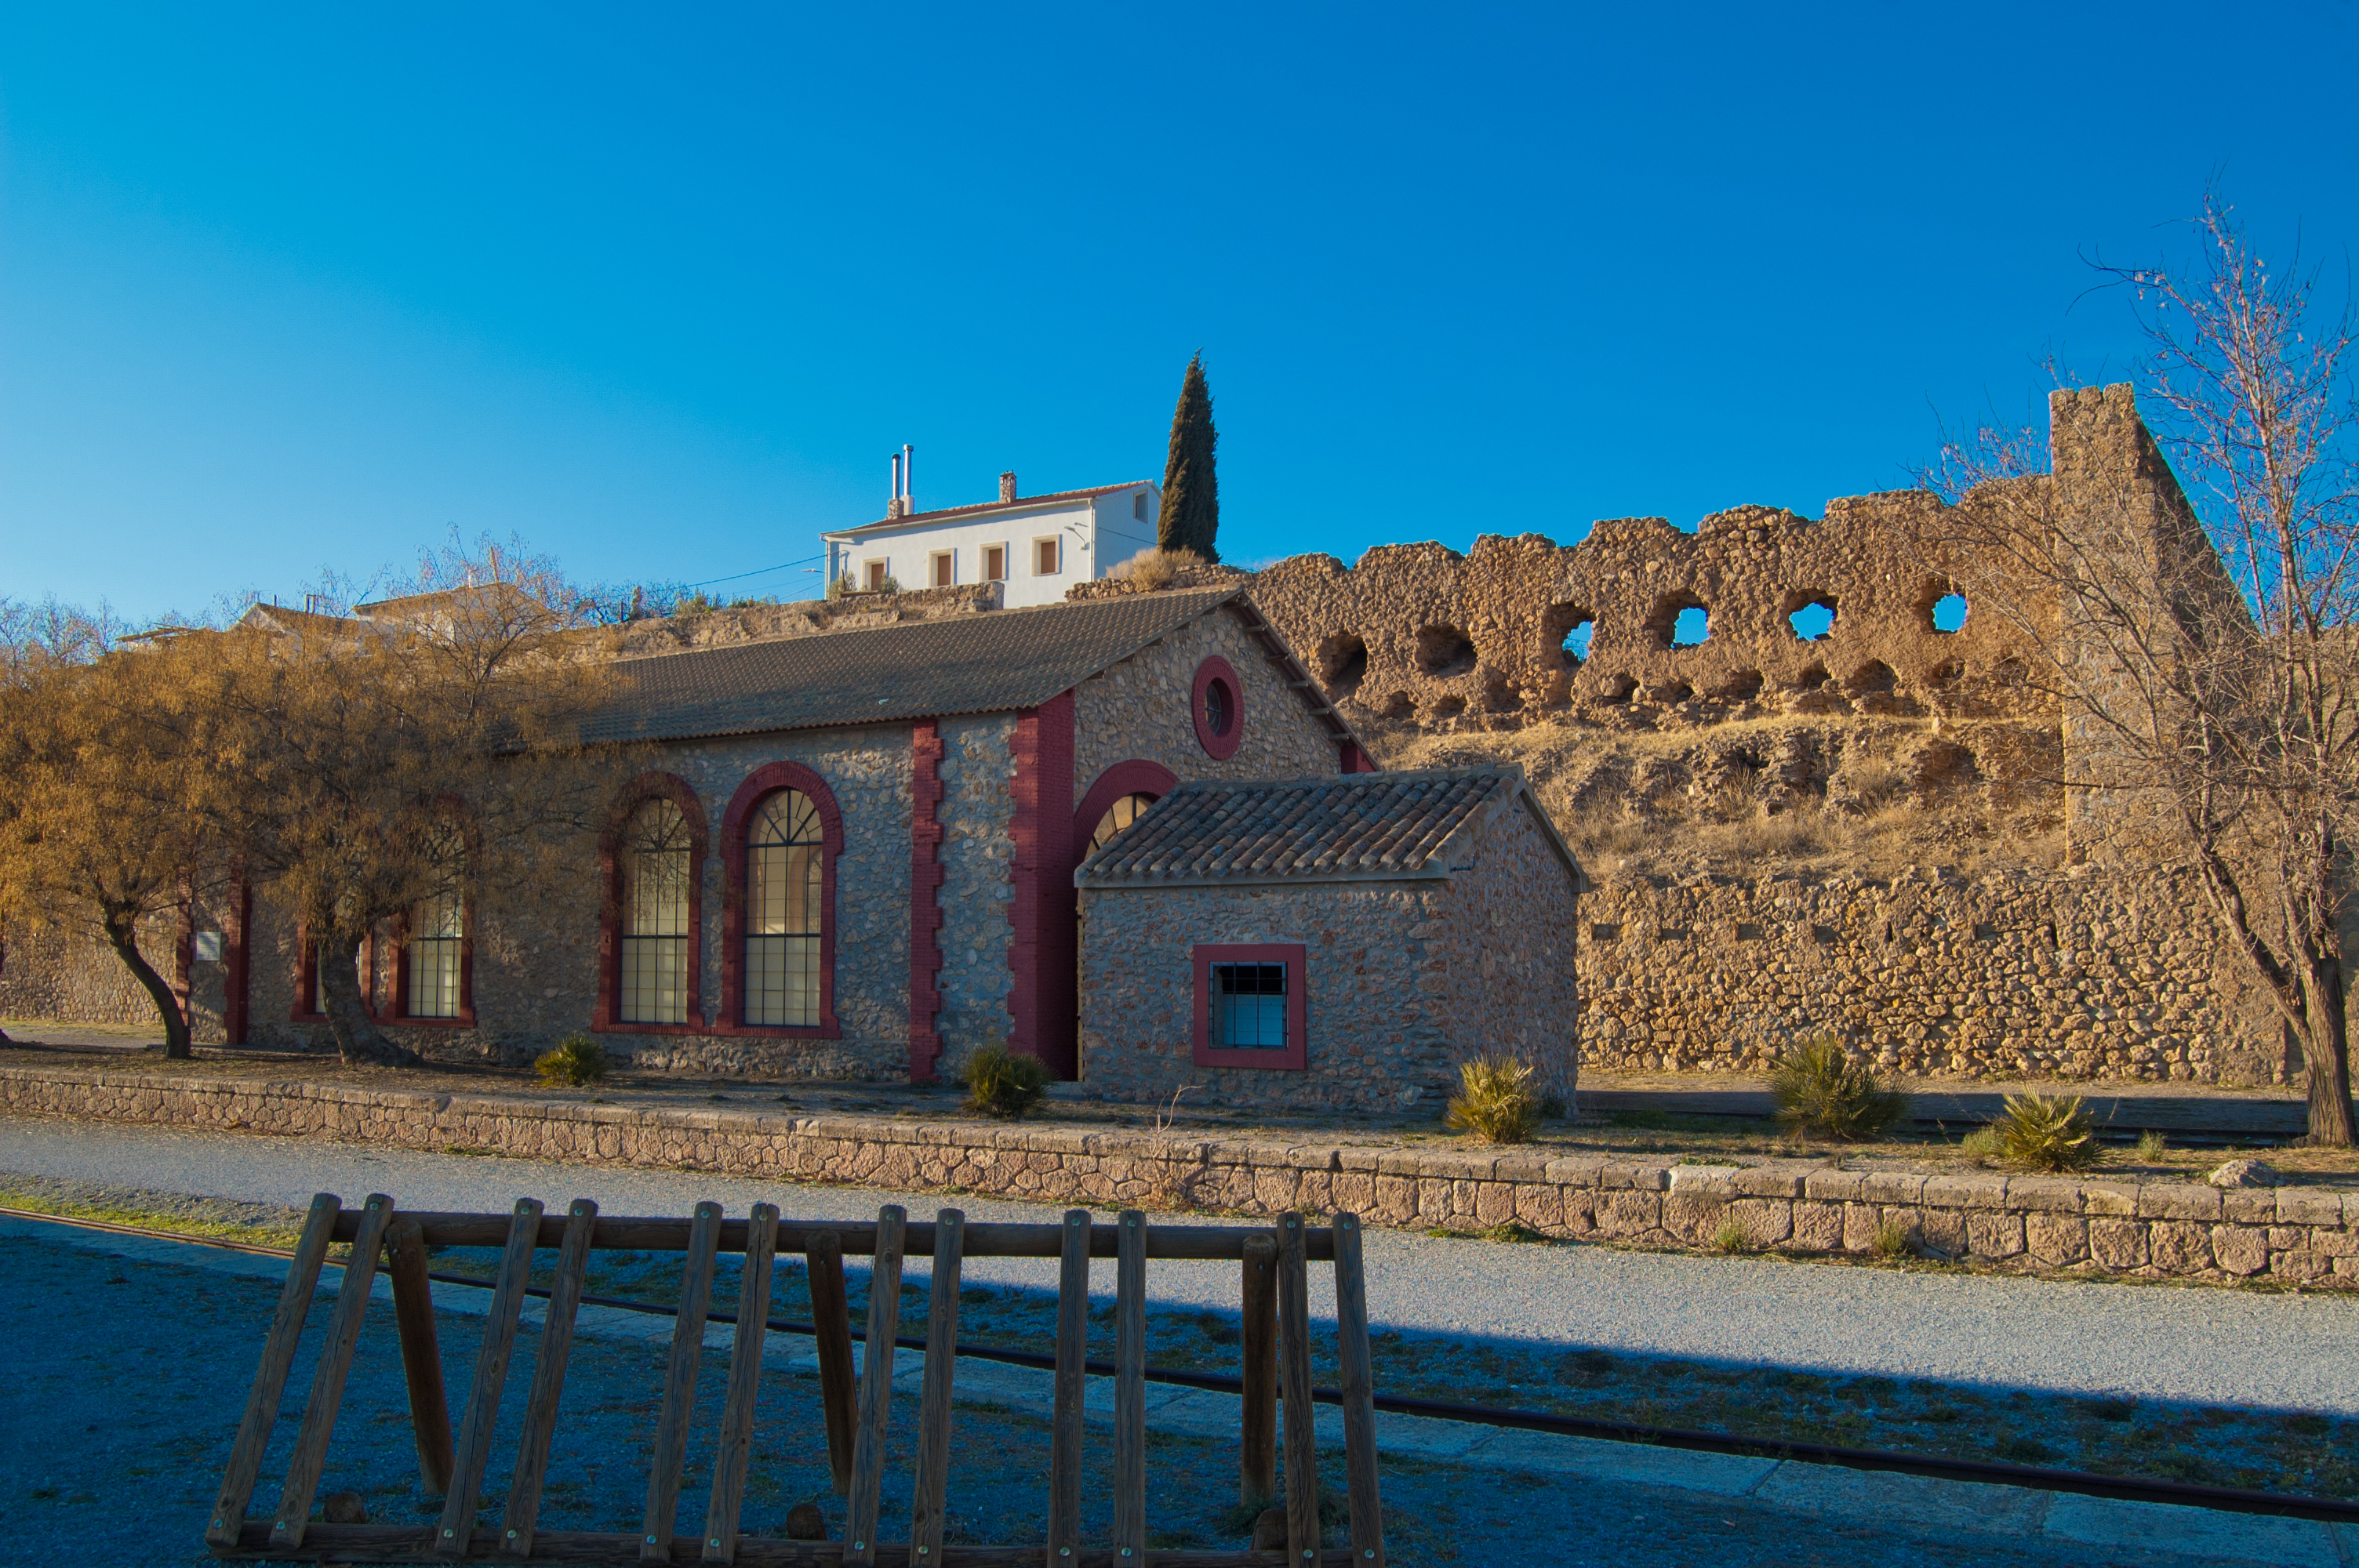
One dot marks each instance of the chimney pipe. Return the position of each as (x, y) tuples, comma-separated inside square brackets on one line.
[(893, 501), (1007, 485), (908, 479)]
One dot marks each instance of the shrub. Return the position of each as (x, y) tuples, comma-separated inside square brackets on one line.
[(577, 1060), (1892, 1239), (1498, 1104), (2152, 1145), (1729, 1237), (1001, 1083), (2042, 1134), (1155, 566), (1820, 1090)]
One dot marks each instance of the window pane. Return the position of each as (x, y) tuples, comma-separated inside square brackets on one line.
[(434, 976), (654, 980), (782, 981), (784, 864), (1249, 1006)]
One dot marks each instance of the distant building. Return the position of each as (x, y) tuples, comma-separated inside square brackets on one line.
[(1035, 546)]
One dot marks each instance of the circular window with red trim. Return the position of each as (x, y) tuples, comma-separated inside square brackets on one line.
[(1220, 704)]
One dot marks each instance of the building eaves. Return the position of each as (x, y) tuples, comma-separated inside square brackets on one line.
[(981, 507)]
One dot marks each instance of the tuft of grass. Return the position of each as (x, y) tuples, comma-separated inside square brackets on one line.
[(1156, 567), (1001, 1084), (2152, 1146), (2114, 1410), (1497, 1103), (1729, 1236), (2026, 1450), (1892, 1239), (1822, 1092), (1980, 1145), (1511, 1230), (577, 1062), (2052, 1135)]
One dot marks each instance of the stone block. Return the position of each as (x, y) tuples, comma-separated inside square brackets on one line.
[(1703, 1181), (1859, 1223), (2179, 1200), (1494, 1202), (1943, 1230), (2179, 1247), (1836, 1186), (1627, 1213), (1766, 1222), (2333, 1243), (1769, 1181), (1641, 1178), (2043, 1194), (2248, 1206), (1539, 1205), (2309, 1205), (1580, 1209), (2239, 1248), (1893, 1187), (1982, 1189), (1994, 1235), (1395, 1200), (2056, 1239), (1574, 1173), (1818, 1226), (2298, 1265), (1692, 1217)]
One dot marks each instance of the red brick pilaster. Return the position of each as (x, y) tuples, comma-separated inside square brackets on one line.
[(1042, 993)]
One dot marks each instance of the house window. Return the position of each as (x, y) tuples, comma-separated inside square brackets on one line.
[(994, 563), (876, 577), (1046, 558), (435, 944), (783, 859), (944, 575), (1219, 707), (658, 888), (1250, 1006), (1119, 816), (1139, 506)]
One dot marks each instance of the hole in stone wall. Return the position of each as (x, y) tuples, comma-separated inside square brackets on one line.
[(1501, 694), (1342, 664), (1400, 705), (1678, 691), (1812, 678), (1679, 621), (1449, 707), (1568, 628), (1747, 931), (1811, 614), (1673, 934), (1950, 613), (1444, 650), (1742, 685), (1949, 672), (1601, 933), (1873, 677), (2012, 672), (1618, 689)]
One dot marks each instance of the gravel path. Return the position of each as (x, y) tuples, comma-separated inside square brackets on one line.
[(2206, 1345)]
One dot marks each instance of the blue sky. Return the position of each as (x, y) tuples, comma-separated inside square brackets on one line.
[(659, 290)]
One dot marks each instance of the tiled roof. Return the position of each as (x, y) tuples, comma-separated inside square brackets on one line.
[(1344, 827), (981, 506), (988, 663)]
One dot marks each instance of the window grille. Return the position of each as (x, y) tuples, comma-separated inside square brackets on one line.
[(437, 936), (784, 859), (658, 883), (1119, 816), (1249, 1006)]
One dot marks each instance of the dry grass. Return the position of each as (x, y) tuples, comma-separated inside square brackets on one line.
[(1821, 1092), (1156, 566), (2051, 1135), (577, 1062), (1497, 1103)]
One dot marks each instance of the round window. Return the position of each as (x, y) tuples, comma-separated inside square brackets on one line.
[(1220, 709)]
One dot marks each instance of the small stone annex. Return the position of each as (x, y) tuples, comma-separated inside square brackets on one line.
[(837, 853), (1343, 942)]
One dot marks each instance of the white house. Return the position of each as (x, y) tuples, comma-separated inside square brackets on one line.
[(1037, 545)]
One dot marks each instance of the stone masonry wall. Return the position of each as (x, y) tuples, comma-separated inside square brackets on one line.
[(1141, 708), (68, 974), (1508, 955), (977, 856), (2086, 973), (2152, 1230)]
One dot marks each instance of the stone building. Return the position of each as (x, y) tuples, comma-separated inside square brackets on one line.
[(1335, 941), (846, 852)]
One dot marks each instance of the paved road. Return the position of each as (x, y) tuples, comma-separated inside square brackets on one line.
[(2210, 1346)]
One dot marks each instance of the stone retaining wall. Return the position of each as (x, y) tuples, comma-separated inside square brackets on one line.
[(2154, 1229)]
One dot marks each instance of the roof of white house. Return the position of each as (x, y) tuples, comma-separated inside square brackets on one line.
[(1331, 829), (1018, 504)]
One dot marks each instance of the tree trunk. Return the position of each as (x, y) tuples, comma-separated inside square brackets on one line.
[(358, 1039), (122, 929), (2326, 1052)]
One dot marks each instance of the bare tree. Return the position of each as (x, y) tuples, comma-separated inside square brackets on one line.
[(2204, 653)]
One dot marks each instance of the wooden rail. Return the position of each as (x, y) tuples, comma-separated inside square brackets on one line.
[(1277, 1379)]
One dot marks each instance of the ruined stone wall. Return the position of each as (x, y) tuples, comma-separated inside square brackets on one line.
[(2086, 973)]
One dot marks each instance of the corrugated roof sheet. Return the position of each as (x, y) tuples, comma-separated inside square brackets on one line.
[(989, 663), (1343, 828)]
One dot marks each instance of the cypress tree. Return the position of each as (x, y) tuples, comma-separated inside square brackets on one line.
[(1192, 491)]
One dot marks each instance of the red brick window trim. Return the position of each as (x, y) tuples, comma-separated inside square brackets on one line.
[(1294, 1055), (307, 978), (1219, 703), (607, 1018), (736, 824)]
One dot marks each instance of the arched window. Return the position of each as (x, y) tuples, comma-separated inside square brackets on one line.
[(434, 947), (659, 889), (1118, 816), (784, 860)]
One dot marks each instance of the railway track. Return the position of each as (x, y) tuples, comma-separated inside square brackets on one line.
[(2128, 1488)]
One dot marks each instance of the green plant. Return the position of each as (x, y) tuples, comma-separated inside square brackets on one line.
[(2042, 1134), (1980, 1144), (1001, 1083), (578, 1060), (1822, 1091), (1498, 1104), (839, 586), (1892, 1237), (2152, 1145), (1730, 1236)]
